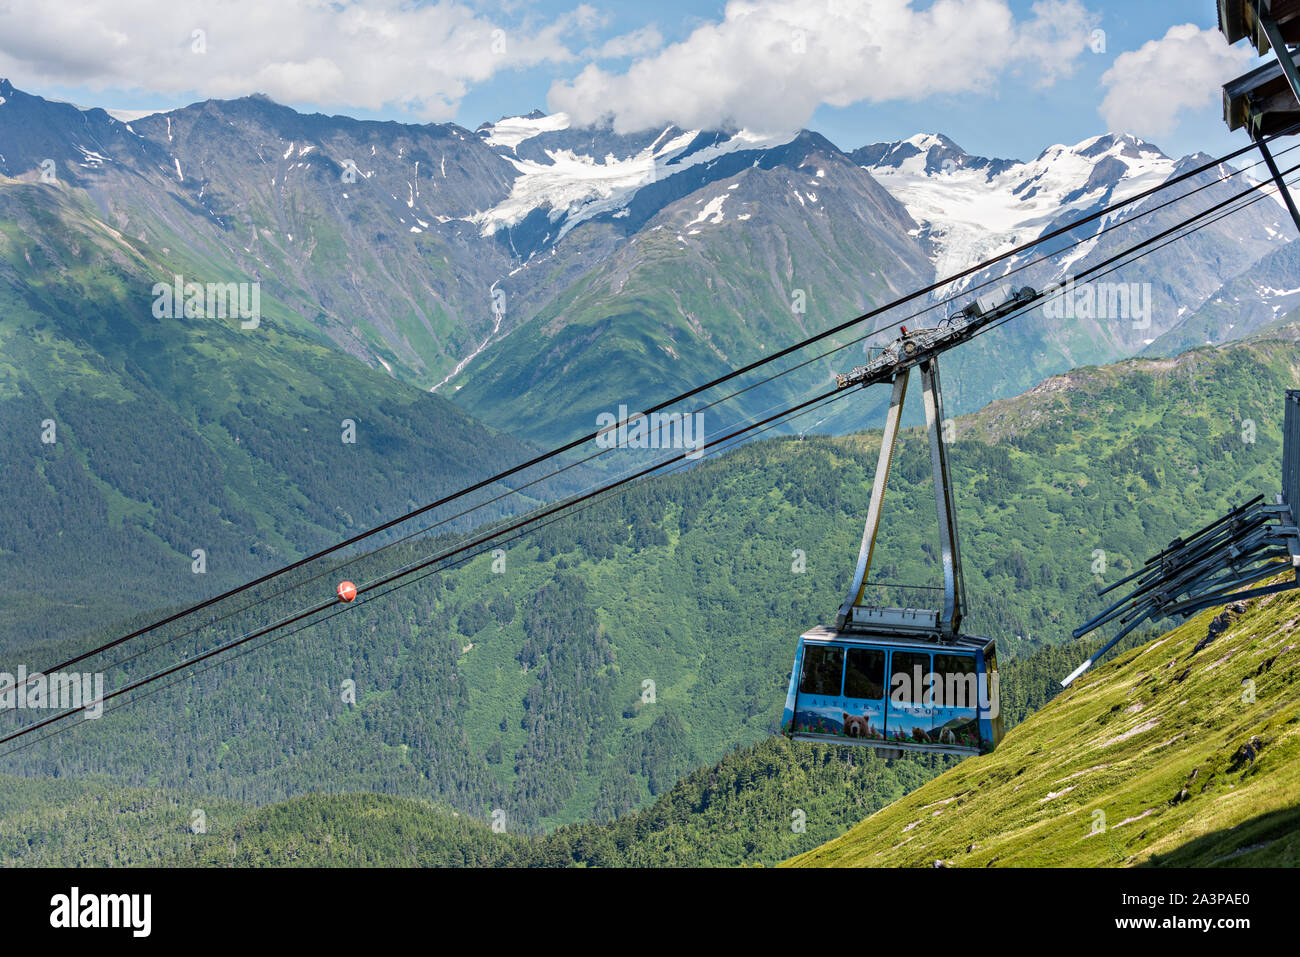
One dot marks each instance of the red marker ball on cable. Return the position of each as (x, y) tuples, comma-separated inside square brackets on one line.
[(347, 591)]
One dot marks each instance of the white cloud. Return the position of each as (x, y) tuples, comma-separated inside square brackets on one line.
[(1149, 87), (634, 43), (362, 53), (768, 64)]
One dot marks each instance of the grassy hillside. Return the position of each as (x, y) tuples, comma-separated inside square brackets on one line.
[(1182, 752)]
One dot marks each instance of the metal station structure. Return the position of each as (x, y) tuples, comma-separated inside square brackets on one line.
[(902, 678), (1217, 564), (1258, 540), (1266, 100)]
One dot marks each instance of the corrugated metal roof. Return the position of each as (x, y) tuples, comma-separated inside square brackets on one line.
[(1237, 21), (1261, 101)]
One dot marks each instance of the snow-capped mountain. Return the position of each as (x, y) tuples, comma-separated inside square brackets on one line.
[(537, 265), (971, 208), (732, 251), (567, 176)]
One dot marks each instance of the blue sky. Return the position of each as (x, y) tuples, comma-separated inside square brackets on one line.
[(684, 54), (1015, 120), (1020, 120)]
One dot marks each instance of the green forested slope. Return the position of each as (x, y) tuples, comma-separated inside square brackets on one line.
[(175, 434), (525, 690), (758, 805)]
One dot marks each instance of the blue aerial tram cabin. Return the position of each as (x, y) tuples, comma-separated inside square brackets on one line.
[(894, 693), (903, 679)]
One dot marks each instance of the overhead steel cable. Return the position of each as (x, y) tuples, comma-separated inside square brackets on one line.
[(560, 450), (1167, 237), (248, 649), (518, 519), (401, 578), (300, 617)]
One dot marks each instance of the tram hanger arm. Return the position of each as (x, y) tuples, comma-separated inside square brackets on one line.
[(913, 348)]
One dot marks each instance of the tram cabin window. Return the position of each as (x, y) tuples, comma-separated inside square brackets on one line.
[(904, 687), (864, 674), (956, 683), (823, 667)]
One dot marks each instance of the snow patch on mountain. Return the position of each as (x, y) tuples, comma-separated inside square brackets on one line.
[(513, 130), (712, 211), (93, 159), (129, 116)]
